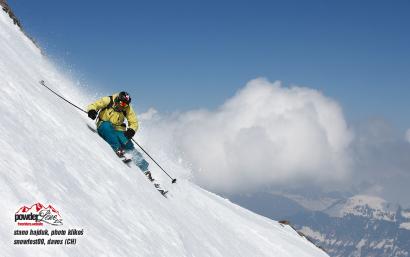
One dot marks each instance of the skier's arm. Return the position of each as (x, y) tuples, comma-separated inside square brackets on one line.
[(132, 119), (99, 104)]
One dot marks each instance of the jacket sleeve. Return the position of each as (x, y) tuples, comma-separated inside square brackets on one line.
[(132, 119), (99, 104)]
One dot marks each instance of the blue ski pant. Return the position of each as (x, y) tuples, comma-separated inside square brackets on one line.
[(117, 140)]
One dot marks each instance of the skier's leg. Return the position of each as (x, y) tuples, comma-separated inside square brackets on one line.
[(139, 160), (141, 163), (108, 133), (126, 143), (137, 157)]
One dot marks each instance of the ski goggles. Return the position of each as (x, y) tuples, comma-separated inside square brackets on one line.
[(121, 103)]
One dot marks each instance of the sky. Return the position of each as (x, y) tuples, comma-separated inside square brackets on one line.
[(184, 55), (309, 92)]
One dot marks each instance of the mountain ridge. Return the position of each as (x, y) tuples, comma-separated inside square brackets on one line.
[(350, 226)]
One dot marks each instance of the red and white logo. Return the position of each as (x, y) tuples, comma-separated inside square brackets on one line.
[(37, 215)]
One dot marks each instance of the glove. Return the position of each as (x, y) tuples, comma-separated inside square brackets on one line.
[(92, 114), (129, 133)]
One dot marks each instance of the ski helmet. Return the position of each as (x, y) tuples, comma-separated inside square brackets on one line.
[(121, 101), (124, 97)]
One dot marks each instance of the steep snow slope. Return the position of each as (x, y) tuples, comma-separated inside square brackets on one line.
[(48, 155)]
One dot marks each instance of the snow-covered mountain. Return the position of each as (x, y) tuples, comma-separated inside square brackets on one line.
[(50, 158), (355, 226), (358, 226), (370, 207)]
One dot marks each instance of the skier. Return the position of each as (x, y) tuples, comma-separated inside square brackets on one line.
[(111, 112)]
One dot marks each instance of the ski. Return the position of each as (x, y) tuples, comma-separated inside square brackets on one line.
[(157, 186), (163, 192)]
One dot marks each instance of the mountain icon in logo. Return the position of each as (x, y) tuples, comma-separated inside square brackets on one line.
[(38, 207), (37, 214)]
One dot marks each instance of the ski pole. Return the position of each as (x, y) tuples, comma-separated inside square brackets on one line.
[(44, 84), (174, 180)]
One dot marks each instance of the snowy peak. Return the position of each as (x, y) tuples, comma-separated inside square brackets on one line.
[(363, 205), (361, 225)]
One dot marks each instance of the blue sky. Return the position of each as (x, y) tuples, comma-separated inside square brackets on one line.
[(181, 55)]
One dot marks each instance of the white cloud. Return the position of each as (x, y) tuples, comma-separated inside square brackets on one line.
[(265, 135)]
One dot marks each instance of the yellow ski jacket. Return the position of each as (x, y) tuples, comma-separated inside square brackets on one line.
[(116, 118)]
